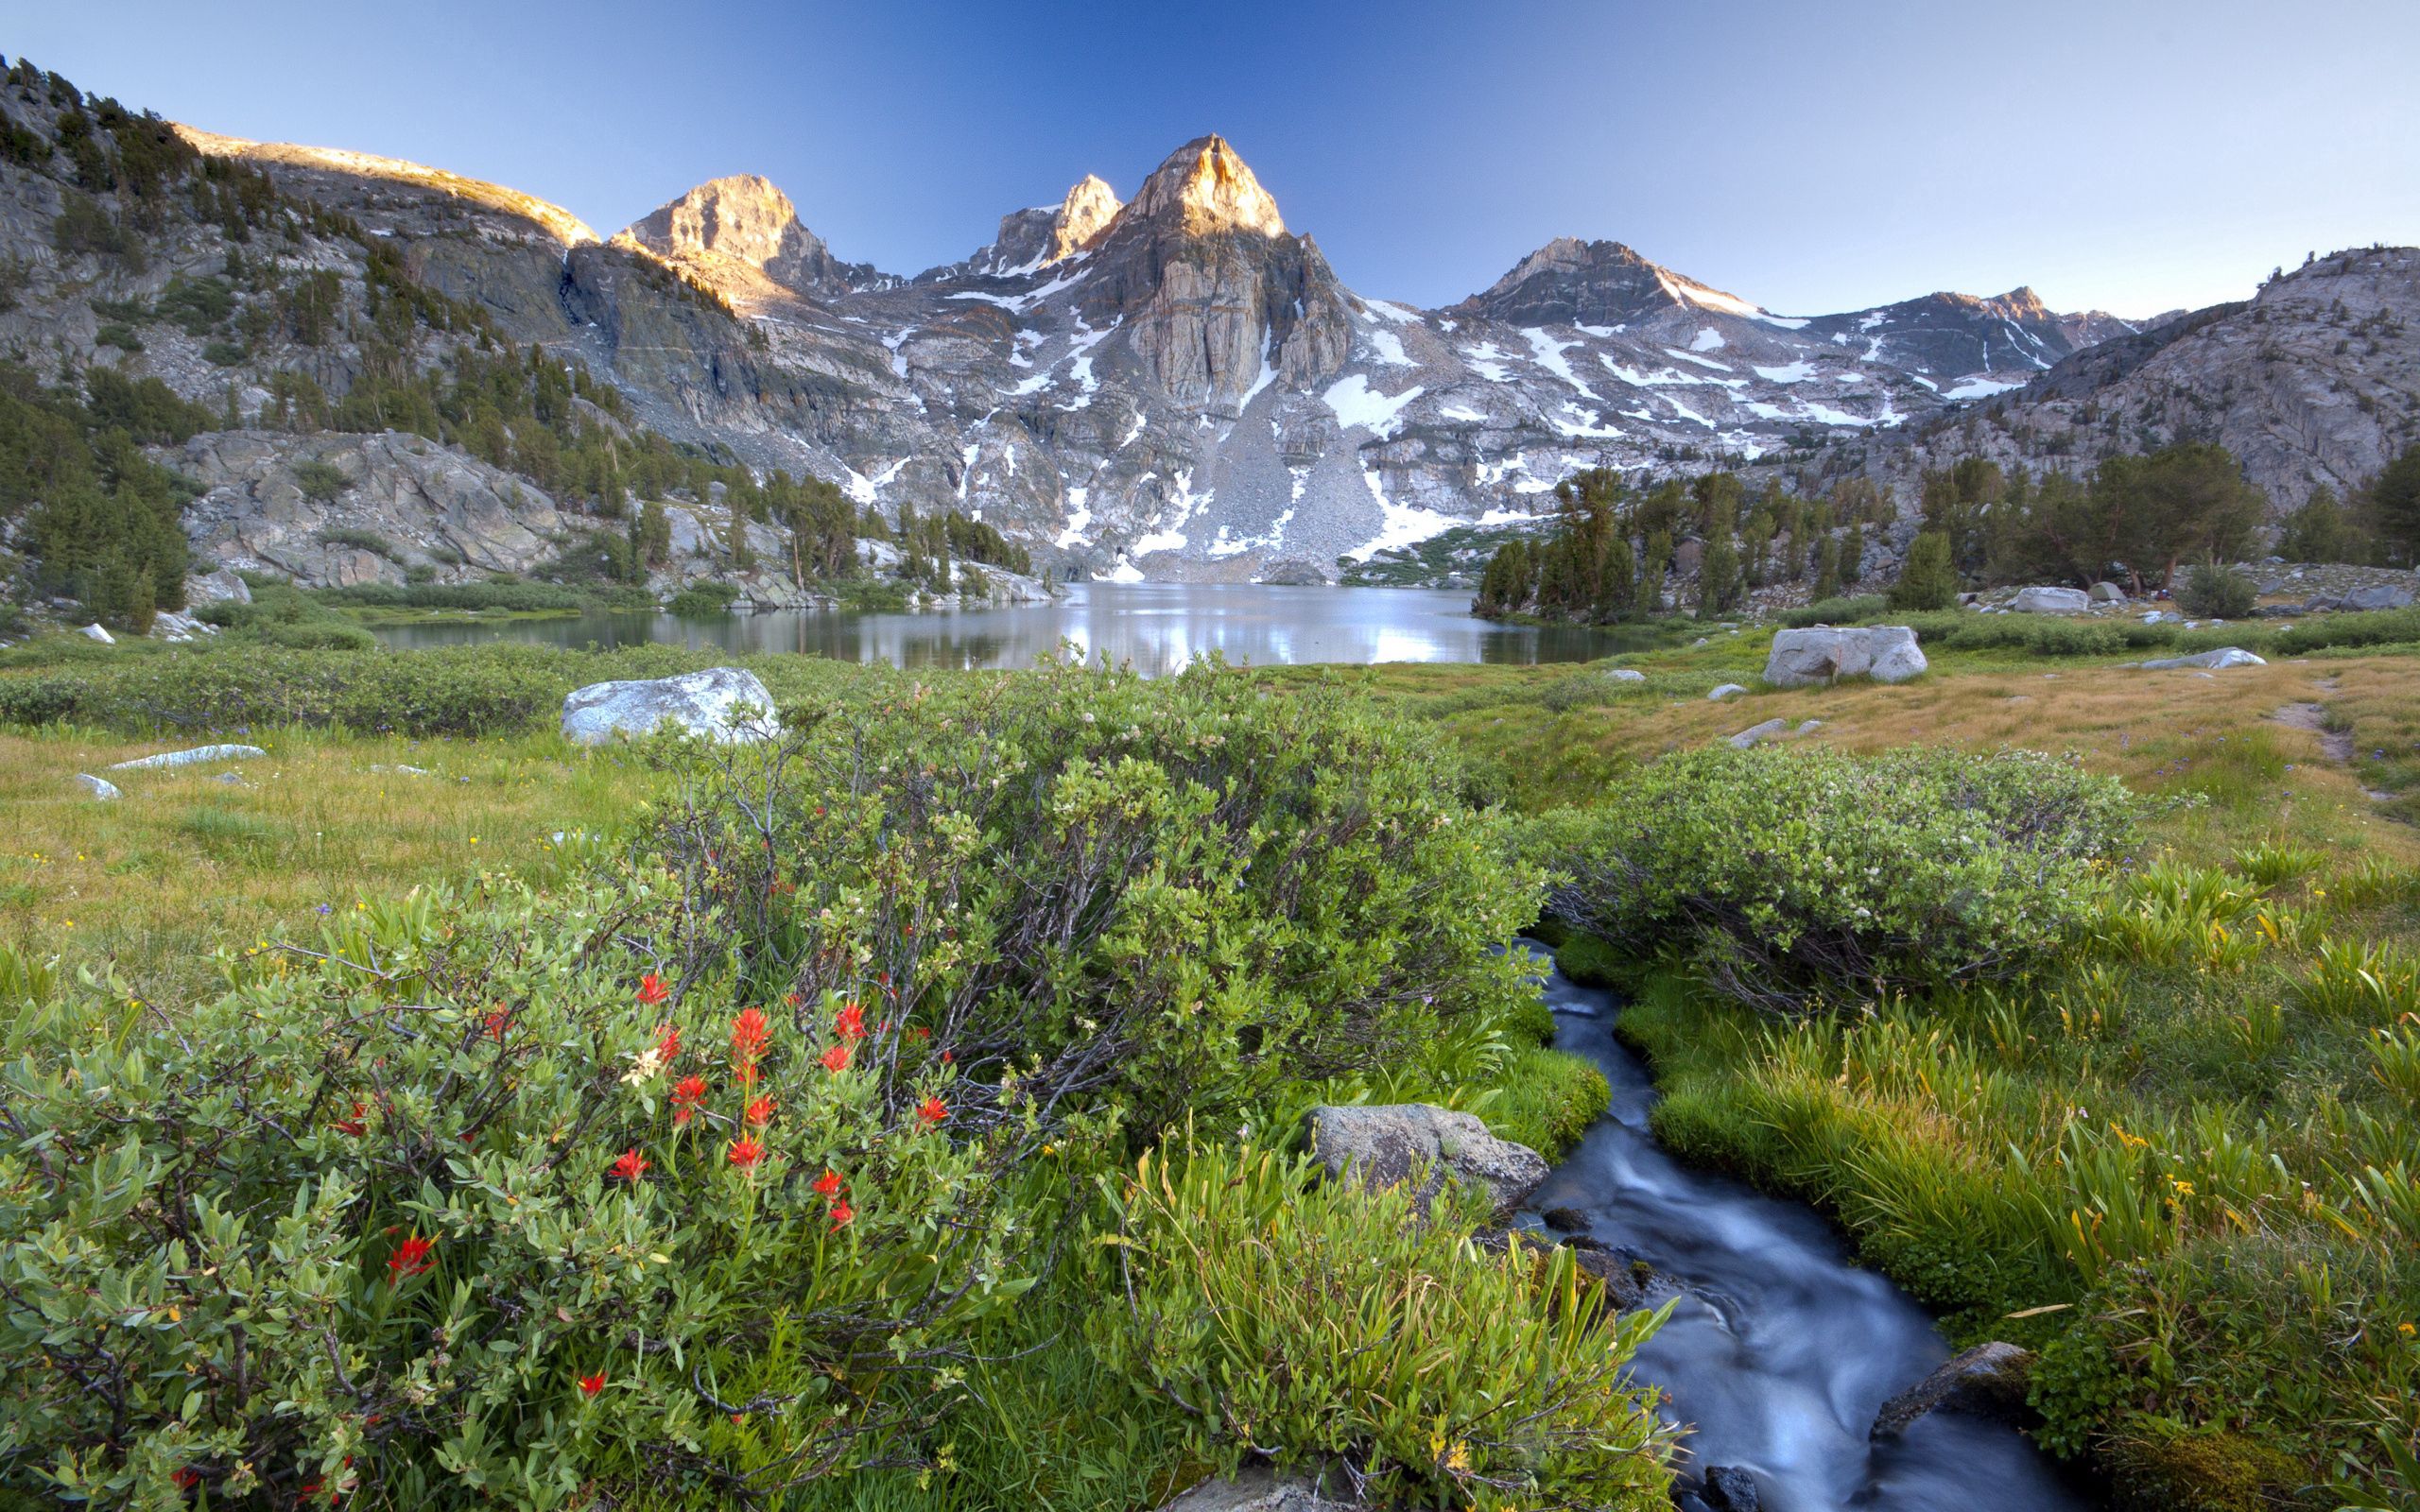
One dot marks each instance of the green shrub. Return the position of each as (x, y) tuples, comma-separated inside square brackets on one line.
[(362, 541), (1446, 1373), (2212, 591), (704, 600), (322, 479), (225, 353), (1791, 877), (368, 1223), (121, 336), (1234, 890), (1838, 612), (2392, 627)]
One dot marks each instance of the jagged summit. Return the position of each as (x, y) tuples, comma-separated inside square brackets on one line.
[(745, 219), (1205, 188), (1030, 240)]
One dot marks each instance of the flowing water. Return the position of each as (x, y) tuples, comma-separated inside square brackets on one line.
[(1158, 627), (1780, 1351)]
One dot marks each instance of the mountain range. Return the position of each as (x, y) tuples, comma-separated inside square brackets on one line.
[(1179, 386)]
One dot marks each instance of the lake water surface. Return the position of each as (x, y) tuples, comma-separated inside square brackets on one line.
[(1159, 627)]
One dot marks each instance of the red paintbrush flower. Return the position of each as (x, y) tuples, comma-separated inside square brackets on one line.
[(354, 1125), (932, 1110), (760, 1111), (745, 1154), (686, 1094), (842, 1215), (837, 1058), (591, 1386), (749, 1033), (668, 1044), (411, 1258), (629, 1167), (851, 1022), (828, 1184), (652, 990), (187, 1479)]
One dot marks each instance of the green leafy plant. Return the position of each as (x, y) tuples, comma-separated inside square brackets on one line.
[(1788, 878), (2216, 592), (1320, 1323)]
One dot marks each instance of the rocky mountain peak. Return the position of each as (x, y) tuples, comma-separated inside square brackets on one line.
[(1569, 282), (1087, 211), (1205, 188), (744, 220)]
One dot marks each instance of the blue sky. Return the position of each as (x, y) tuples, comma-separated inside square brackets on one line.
[(2133, 155)]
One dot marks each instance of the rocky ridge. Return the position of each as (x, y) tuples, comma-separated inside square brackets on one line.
[(1182, 386)]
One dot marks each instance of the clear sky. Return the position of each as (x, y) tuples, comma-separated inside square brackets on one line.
[(1813, 155)]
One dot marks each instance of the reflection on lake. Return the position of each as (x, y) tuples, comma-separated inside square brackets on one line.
[(1158, 627)]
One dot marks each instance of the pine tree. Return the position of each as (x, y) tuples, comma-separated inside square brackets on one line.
[(1927, 580), (1718, 575), (1853, 555), (1827, 568)]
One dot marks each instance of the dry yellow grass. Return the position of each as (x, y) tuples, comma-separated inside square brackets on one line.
[(185, 861)]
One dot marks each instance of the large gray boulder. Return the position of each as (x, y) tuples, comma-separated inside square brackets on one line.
[(1886, 653), (2380, 595), (1422, 1146), (2228, 655), (2052, 601), (711, 705), (1988, 1380)]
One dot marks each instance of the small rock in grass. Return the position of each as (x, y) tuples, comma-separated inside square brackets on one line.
[(100, 787), (2218, 660), (1727, 690), (197, 756), (1754, 733), (93, 632), (1625, 675)]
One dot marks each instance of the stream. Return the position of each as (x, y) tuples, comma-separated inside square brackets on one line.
[(1780, 1349)]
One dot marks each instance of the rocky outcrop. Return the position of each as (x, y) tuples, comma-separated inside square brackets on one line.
[(2311, 383), (1421, 1147), (1033, 239), (1886, 653), (724, 705), (1988, 1380), (408, 502), (100, 789)]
